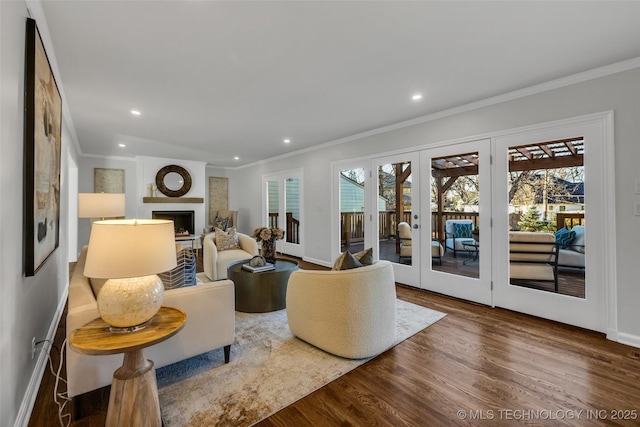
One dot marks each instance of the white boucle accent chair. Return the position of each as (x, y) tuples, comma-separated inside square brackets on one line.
[(215, 262), (349, 313)]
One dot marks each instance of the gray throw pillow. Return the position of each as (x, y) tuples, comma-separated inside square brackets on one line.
[(346, 261)]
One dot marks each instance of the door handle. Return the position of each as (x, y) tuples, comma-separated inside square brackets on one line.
[(415, 226)]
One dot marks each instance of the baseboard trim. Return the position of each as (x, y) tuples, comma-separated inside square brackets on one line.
[(318, 261), (629, 339), (30, 395)]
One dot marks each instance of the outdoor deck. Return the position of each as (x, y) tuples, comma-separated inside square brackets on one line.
[(570, 281)]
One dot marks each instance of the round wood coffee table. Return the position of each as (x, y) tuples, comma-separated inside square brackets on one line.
[(261, 292)]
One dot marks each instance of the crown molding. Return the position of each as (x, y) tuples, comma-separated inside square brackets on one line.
[(584, 76)]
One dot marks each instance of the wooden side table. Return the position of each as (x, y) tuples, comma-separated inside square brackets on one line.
[(134, 392)]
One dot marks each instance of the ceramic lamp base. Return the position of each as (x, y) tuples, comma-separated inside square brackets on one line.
[(128, 304)]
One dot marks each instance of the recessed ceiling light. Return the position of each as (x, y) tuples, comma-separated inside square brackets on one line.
[(121, 145), (236, 158), (416, 97), (286, 141), (135, 112)]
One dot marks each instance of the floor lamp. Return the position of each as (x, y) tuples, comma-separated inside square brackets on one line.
[(101, 205)]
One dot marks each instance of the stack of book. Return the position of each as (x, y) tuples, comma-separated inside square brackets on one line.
[(258, 269)]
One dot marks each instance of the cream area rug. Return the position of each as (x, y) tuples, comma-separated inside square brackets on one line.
[(269, 370)]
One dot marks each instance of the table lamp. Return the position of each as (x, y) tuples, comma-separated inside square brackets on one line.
[(130, 252), (101, 205)]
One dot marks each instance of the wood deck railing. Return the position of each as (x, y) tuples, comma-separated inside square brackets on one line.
[(569, 219), (352, 224), (292, 227)]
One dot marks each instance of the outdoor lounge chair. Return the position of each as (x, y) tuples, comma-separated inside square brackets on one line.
[(533, 256), (458, 232)]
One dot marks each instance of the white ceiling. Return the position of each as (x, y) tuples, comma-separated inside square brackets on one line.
[(214, 79)]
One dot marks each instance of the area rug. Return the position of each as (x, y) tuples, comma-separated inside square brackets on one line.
[(269, 370)]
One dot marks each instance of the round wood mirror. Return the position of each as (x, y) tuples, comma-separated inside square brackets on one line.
[(173, 181)]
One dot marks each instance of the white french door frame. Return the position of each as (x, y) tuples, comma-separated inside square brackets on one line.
[(408, 274), (472, 289), (294, 249), (600, 158), (597, 311)]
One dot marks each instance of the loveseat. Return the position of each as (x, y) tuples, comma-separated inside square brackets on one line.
[(210, 325), (349, 313)]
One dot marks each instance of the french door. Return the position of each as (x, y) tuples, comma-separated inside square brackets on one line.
[(457, 202), (284, 209), (577, 293)]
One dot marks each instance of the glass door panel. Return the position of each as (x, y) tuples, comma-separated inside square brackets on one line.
[(292, 209), (455, 213), (397, 218), (546, 195), (352, 197), (273, 203), (284, 210), (394, 212)]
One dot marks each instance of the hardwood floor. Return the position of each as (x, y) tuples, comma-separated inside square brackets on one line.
[(477, 366)]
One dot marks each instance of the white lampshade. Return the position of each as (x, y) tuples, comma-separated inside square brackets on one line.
[(101, 205), (129, 253), (130, 248)]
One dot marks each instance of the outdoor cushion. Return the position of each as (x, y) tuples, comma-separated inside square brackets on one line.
[(579, 242), (565, 237), (462, 230)]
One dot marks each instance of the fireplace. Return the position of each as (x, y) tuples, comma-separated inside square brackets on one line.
[(183, 221)]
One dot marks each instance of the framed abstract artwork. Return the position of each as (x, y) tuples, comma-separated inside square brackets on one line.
[(108, 180), (42, 144)]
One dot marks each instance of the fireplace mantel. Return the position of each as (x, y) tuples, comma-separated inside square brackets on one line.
[(172, 200)]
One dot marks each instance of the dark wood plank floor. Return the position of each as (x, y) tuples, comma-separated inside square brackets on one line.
[(477, 362)]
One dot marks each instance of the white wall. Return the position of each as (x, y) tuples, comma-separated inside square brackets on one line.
[(138, 173), (30, 305), (148, 167), (619, 92)]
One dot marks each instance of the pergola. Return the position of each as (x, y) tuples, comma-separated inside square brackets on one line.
[(446, 170)]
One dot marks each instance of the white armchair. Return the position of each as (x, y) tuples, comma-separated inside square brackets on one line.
[(215, 262), (349, 313), (404, 234)]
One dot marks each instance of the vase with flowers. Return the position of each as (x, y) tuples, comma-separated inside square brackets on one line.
[(268, 237)]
